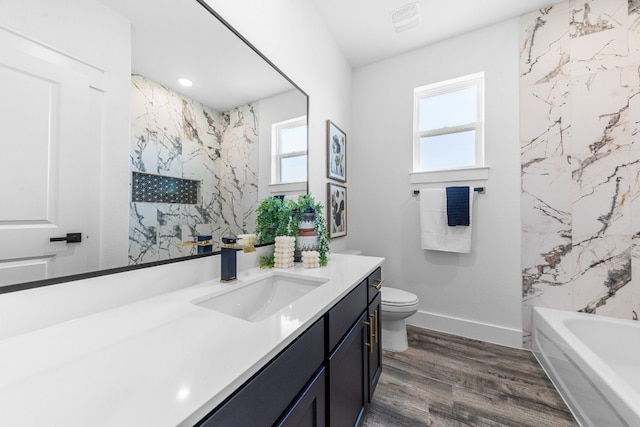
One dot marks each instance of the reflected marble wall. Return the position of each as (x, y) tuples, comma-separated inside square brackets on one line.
[(580, 120), (580, 117), (177, 136)]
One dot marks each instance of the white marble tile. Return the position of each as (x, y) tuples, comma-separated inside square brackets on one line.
[(581, 257), (544, 45), (550, 296), (600, 113), (177, 136), (634, 32), (602, 267), (595, 16), (170, 240), (546, 196), (143, 233), (602, 51), (633, 84), (547, 263), (169, 214), (545, 120), (632, 162), (634, 286), (601, 196), (239, 167), (625, 301)]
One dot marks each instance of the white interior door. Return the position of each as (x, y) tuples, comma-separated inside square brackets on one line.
[(47, 165)]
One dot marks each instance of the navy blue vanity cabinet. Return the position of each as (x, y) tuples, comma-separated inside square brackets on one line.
[(347, 391), (309, 409), (275, 390), (326, 377), (375, 330)]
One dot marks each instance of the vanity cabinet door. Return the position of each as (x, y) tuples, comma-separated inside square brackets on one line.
[(309, 410), (264, 398), (348, 377), (375, 344)]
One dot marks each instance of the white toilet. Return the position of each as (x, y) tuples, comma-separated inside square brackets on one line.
[(397, 305)]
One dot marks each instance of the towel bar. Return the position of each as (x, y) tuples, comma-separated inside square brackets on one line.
[(479, 190)]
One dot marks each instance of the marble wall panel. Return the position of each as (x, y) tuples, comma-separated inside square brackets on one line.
[(239, 169), (545, 45), (601, 196), (176, 136), (594, 16), (602, 268), (633, 83), (143, 233), (600, 51), (545, 115), (600, 112), (580, 123), (546, 196), (634, 32)]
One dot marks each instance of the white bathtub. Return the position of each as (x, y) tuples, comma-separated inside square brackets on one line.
[(594, 362)]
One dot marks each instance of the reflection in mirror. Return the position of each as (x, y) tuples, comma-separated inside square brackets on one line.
[(168, 169)]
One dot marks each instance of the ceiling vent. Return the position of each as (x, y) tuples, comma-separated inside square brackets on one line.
[(405, 17)]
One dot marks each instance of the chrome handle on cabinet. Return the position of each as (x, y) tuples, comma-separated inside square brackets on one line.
[(378, 285)]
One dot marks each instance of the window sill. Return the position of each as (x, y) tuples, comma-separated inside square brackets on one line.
[(288, 188), (450, 175)]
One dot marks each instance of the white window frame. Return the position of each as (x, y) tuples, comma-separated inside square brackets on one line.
[(276, 155), (473, 80)]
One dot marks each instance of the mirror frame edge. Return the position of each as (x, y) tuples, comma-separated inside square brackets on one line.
[(98, 273)]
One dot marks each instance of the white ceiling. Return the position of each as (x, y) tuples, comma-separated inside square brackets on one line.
[(180, 39), (172, 39), (362, 28)]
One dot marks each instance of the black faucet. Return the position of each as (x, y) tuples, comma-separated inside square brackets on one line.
[(228, 264)]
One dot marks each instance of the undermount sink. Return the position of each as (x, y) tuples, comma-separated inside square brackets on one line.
[(256, 300)]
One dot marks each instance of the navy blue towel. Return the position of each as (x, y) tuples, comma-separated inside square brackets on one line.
[(458, 206)]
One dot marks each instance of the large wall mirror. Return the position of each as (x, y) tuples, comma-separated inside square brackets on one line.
[(112, 162)]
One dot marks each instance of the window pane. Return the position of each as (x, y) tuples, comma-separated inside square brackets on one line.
[(293, 138), (448, 151), (293, 169), (448, 109)]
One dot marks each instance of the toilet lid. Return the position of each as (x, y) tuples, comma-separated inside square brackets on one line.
[(393, 296)]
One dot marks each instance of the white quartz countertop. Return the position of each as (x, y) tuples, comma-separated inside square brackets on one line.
[(163, 361)]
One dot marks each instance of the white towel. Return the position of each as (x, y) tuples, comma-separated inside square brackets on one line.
[(435, 234)]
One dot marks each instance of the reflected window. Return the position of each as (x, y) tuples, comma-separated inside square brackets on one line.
[(448, 124), (289, 148)]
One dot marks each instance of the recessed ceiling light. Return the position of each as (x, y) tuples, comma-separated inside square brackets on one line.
[(405, 17), (185, 82)]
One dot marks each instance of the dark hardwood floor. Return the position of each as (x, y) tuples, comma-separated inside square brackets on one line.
[(450, 381)]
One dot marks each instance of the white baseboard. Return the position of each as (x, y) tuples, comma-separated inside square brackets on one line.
[(466, 328)]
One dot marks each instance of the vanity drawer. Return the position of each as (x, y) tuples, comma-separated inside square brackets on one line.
[(375, 284), (265, 397), (345, 313)]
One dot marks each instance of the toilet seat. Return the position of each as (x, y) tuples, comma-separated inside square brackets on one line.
[(398, 300)]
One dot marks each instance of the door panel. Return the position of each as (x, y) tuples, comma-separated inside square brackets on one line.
[(44, 160)]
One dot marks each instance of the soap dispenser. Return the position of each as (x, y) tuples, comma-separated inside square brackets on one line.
[(228, 265)]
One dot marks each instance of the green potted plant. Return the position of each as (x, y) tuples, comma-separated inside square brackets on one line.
[(305, 211), (273, 217), (277, 217)]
